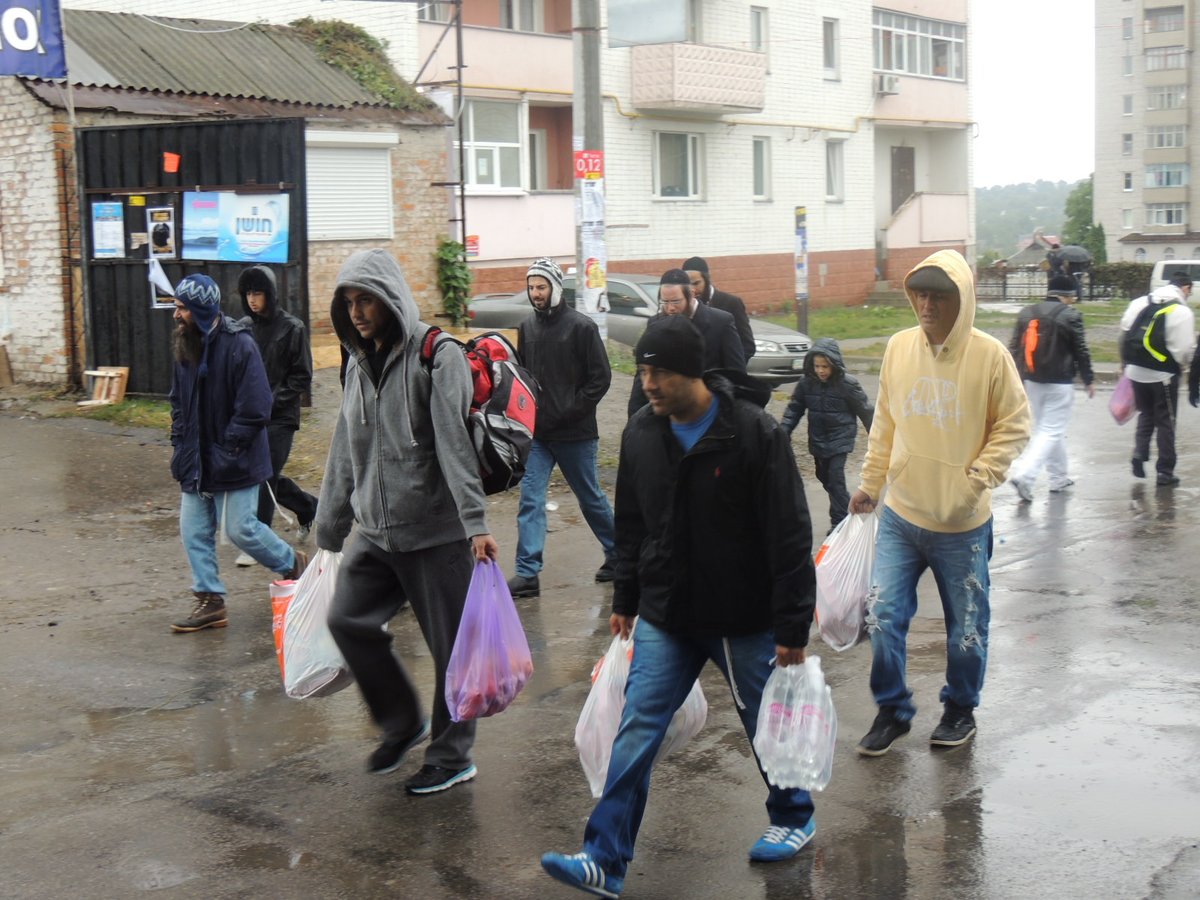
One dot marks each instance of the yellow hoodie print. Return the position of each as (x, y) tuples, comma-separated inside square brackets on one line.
[(948, 424)]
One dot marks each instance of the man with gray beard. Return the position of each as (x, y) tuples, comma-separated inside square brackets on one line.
[(220, 406)]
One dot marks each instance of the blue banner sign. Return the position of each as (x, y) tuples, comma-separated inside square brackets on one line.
[(31, 39), (235, 227)]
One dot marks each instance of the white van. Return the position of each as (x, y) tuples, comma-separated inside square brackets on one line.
[(1165, 268)]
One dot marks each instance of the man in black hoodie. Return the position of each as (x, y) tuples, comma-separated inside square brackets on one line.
[(707, 293), (284, 347), (713, 559), (562, 348)]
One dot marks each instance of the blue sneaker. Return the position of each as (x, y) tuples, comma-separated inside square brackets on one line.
[(582, 872), (779, 842)]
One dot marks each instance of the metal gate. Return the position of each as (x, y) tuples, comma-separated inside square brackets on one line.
[(131, 166)]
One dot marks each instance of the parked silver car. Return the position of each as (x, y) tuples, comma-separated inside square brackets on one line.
[(633, 300)]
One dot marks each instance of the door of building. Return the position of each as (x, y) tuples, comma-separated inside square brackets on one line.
[(904, 180)]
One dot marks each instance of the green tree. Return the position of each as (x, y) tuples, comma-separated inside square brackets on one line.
[(1079, 227)]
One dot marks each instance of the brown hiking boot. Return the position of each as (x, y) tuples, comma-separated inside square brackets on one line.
[(299, 565), (209, 612)]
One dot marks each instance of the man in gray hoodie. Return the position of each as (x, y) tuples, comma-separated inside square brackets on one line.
[(401, 467)]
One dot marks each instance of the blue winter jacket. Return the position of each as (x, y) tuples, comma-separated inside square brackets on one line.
[(833, 406), (219, 412)]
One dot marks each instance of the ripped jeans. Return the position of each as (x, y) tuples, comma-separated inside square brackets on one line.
[(960, 566)]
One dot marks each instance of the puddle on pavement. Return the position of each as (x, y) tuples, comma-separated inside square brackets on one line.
[(269, 856)]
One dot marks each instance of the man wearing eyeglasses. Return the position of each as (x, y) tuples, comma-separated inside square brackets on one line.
[(722, 346)]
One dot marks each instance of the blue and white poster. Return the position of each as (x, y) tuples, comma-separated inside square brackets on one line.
[(31, 39), (230, 227)]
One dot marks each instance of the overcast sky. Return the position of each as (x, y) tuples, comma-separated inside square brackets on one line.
[(1033, 90)]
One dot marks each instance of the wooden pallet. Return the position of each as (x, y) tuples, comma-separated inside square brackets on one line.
[(108, 385)]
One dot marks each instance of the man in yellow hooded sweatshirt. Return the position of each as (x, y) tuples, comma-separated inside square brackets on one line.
[(950, 418)]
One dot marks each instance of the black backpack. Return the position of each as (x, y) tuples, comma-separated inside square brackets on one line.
[(1145, 343), (1039, 343)]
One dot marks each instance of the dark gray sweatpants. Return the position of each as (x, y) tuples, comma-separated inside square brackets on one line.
[(373, 585)]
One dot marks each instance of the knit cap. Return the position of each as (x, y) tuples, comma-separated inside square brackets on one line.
[(548, 269), (202, 297), (672, 343), (1061, 286)]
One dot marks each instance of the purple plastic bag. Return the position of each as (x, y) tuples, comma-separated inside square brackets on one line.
[(490, 662), (1121, 404)]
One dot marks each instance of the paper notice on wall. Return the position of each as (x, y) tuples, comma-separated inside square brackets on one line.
[(108, 230)]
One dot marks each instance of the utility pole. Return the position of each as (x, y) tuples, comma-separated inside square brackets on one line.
[(587, 126)]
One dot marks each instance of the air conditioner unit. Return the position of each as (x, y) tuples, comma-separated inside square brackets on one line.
[(887, 84)]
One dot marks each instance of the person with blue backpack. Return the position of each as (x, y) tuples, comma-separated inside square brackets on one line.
[(1049, 346)]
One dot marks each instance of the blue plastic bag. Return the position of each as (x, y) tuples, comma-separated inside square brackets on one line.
[(490, 662)]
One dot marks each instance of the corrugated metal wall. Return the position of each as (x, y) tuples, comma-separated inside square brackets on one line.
[(118, 164)]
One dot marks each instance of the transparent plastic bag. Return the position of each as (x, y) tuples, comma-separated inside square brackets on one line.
[(309, 660), (797, 727), (601, 716), (844, 566), (490, 662), (1121, 404)]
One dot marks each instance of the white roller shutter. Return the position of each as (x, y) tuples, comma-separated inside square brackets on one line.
[(349, 193)]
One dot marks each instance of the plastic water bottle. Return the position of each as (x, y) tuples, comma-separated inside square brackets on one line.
[(797, 727)]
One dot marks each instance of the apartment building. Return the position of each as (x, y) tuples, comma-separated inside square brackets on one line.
[(858, 112), (1143, 194)]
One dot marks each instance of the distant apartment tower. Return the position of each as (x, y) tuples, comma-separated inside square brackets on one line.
[(1144, 194), (857, 111)]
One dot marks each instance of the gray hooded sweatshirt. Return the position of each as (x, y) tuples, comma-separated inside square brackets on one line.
[(401, 464)]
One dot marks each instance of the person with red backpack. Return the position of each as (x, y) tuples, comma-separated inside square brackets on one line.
[(1050, 347), (1157, 334), (563, 350), (401, 468)]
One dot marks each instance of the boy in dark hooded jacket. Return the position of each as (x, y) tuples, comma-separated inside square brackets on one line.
[(288, 359), (834, 401)]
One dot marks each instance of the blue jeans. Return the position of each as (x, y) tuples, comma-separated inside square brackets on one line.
[(200, 516), (960, 566), (663, 670), (577, 461)]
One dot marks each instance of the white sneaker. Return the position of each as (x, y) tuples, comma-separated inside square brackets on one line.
[(245, 559)]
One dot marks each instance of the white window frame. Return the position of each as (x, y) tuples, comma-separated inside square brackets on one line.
[(695, 22), (1166, 137), (1127, 219), (1168, 254), (1127, 104), (349, 188), (1127, 181), (1167, 96), (760, 24), (1139, 255), (433, 11), (538, 157), (1127, 144), (1163, 19), (1127, 66), (1160, 175), (908, 45), (831, 51), (695, 165), (760, 156), (477, 150), (1127, 28), (835, 171), (1166, 214), (1166, 59), (514, 18)]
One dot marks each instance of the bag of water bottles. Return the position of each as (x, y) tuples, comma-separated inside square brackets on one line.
[(844, 565), (797, 727)]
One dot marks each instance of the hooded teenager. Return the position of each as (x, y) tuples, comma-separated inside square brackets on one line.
[(287, 357), (401, 467), (950, 417)]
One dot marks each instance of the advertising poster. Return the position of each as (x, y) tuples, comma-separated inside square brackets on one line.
[(31, 39), (160, 226), (235, 227), (592, 283), (108, 230)]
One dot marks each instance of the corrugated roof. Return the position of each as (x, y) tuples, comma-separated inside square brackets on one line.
[(198, 56)]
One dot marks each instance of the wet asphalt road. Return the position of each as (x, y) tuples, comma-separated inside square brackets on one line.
[(134, 762)]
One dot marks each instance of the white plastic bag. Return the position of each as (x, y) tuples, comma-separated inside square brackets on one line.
[(797, 727), (844, 565), (601, 715), (309, 660)]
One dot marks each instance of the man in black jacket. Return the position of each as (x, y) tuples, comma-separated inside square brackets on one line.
[(707, 293), (563, 350), (284, 347), (722, 349), (1049, 347), (713, 555)]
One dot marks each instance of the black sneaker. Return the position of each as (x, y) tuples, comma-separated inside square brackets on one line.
[(520, 586), (388, 755), (1167, 480), (431, 779), (605, 573), (956, 728), (883, 733), (1139, 469)]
